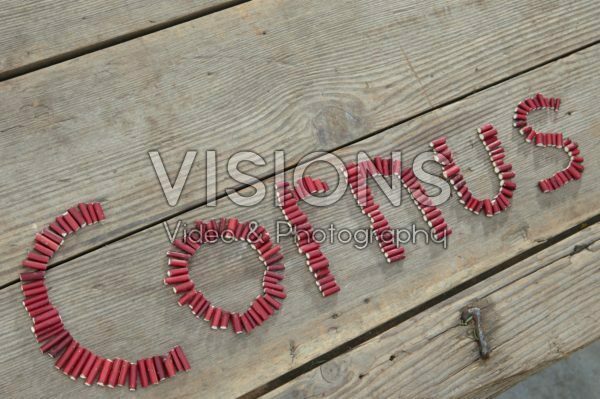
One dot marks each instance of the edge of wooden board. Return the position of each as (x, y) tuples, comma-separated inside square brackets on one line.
[(37, 36)]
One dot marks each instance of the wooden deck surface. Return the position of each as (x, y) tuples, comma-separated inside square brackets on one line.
[(81, 105)]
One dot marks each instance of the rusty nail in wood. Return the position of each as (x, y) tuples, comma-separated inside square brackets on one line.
[(474, 313)]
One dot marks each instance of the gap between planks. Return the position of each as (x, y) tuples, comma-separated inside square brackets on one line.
[(238, 188), (114, 41)]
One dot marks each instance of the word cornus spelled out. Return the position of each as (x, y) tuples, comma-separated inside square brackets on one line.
[(73, 358), (77, 361)]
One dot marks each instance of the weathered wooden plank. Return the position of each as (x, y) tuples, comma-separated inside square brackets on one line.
[(113, 299), (266, 75), (32, 32), (535, 312)]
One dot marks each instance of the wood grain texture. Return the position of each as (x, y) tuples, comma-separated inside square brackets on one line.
[(113, 300), (536, 312), (32, 31), (267, 75)]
